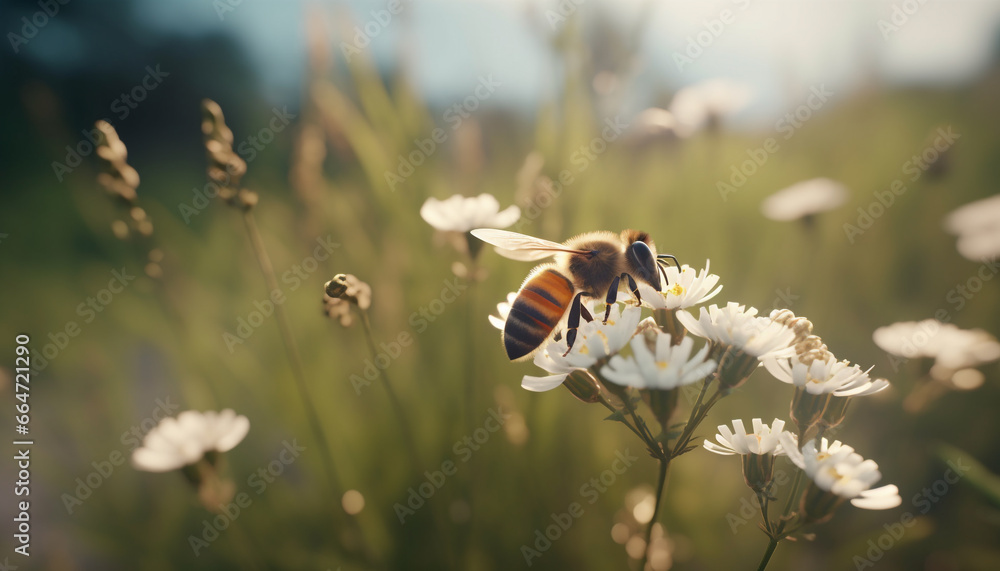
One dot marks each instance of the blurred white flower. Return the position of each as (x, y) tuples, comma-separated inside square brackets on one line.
[(739, 327), (763, 439), (804, 199), (654, 124), (952, 348), (503, 310), (461, 214), (977, 226), (687, 288), (667, 367), (822, 376), (178, 442), (705, 102), (836, 468), (594, 341)]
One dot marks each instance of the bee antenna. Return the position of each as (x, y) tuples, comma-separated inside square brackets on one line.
[(662, 257), (663, 272)]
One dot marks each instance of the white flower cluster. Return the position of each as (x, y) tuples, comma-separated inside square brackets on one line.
[(182, 441), (628, 351), (956, 352)]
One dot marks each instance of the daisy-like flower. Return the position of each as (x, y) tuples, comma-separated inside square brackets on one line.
[(838, 474), (977, 226), (687, 288), (763, 439), (953, 349), (182, 441), (739, 338), (738, 327), (704, 103), (503, 310), (595, 340), (757, 449), (461, 214), (824, 376), (664, 367), (804, 199), (818, 382)]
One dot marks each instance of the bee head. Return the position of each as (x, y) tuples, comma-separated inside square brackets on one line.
[(641, 256)]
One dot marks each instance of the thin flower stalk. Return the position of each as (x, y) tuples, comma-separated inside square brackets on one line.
[(227, 168)]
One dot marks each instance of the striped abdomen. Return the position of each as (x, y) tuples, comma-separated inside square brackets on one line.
[(536, 311)]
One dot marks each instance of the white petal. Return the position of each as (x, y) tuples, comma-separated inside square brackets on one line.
[(883, 498), (542, 384)]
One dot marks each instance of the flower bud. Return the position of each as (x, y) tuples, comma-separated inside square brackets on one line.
[(735, 366), (800, 325), (667, 320), (817, 505), (758, 471), (583, 386), (662, 403), (807, 409), (835, 412)]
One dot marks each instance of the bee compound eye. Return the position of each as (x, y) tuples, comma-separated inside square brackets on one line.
[(641, 253)]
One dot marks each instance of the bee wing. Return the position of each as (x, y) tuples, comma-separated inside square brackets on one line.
[(521, 246), (523, 255)]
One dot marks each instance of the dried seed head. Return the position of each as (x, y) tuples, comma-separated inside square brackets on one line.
[(812, 349), (225, 167), (800, 325), (350, 289), (336, 308), (119, 179)]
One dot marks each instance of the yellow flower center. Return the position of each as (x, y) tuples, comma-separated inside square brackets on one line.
[(662, 365), (676, 289)]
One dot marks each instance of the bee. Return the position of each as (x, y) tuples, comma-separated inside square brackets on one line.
[(593, 265)]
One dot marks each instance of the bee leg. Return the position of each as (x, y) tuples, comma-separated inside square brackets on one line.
[(633, 287), (586, 313), (612, 296), (573, 322)]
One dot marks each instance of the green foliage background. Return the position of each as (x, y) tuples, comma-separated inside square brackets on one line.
[(164, 338)]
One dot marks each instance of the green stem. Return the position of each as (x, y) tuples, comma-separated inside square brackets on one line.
[(291, 348), (397, 407), (404, 427), (792, 494), (698, 414), (660, 485), (767, 554), (298, 372), (762, 499), (610, 407), (248, 548)]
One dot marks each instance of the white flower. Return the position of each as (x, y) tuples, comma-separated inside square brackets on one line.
[(178, 442), (763, 439), (655, 124), (669, 367), (804, 199), (836, 468), (503, 310), (977, 226), (461, 214), (740, 328), (952, 348), (687, 288), (824, 376), (594, 341), (696, 105)]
